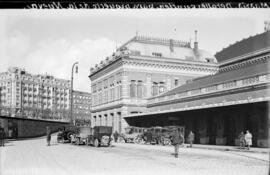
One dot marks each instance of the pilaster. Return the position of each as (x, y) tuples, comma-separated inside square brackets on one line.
[(124, 113), (168, 83), (148, 85), (125, 85)]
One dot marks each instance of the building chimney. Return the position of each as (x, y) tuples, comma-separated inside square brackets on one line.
[(196, 45)]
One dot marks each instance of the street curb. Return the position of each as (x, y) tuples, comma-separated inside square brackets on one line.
[(234, 149)]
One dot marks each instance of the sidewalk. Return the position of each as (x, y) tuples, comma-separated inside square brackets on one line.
[(230, 148), (198, 146)]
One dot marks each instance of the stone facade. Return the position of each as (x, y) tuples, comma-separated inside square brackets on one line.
[(141, 68), (82, 107), (220, 106), (34, 96)]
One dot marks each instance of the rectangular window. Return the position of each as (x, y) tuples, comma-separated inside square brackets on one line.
[(112, 94), (120, 91), (117, 92), (111, 81), (106, 96), (105, 84), (99, 98), (99, 86), (132, 89)]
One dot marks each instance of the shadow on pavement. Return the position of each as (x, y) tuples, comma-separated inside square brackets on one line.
[(6, 145), (53, 144)]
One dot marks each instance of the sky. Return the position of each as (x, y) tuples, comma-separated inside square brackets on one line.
[(50, 41)]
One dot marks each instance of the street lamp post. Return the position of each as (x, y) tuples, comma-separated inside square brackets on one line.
[(71, 93)]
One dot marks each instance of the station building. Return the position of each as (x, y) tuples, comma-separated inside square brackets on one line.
[(219, 106), (141, 68)]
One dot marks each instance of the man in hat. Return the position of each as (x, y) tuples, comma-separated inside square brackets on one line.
[(177, 140)]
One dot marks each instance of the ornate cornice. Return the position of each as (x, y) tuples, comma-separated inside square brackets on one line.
[(106, 69), (185, 66)]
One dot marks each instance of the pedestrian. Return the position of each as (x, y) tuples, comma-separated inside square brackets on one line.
[(191, 138), (177, 140), (241, 138), (115, 136), (2, 137), (248, 139), (72, 138), (48, 136)]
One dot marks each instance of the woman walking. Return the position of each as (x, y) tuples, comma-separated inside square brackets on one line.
[(248, 139)]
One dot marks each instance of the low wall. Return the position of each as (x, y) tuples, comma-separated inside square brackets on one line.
[(26, 128)]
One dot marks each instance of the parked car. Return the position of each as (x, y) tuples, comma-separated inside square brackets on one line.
[(82, 134), (132, 135), (100, 136), (160, 135), (64, 135)]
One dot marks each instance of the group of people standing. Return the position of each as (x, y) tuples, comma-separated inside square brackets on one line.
[(245, 140)]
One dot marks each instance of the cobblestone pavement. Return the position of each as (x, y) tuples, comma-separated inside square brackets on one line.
[(29, 157)]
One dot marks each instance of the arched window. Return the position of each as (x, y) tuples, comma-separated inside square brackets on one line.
[(139, 89), (154, 88), (161, 87)]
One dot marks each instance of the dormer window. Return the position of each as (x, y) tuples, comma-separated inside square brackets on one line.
[(157, 54)]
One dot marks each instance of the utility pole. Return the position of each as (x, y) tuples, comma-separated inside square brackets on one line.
[(71, 93)]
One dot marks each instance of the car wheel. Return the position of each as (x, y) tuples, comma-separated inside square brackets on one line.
[(96, 143)]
